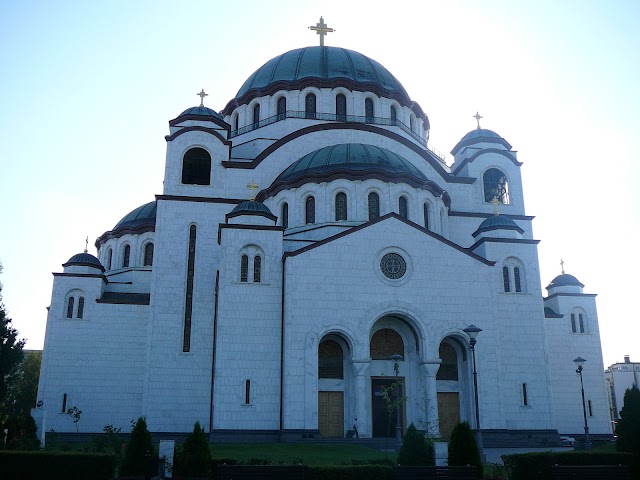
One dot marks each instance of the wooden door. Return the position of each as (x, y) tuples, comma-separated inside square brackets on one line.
[(383, 424), (331, 414), (448, 412)]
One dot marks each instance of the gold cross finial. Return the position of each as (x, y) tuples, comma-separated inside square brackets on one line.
[(495, 202), (86, 245), (202, 95), (252, 187), (322, 30), (562, 265), (477, 116)]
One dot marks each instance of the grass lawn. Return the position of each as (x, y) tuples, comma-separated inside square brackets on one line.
[(293, 453)]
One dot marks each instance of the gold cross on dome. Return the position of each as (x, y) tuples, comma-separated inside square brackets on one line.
[(562, 265), (495, 202), (252, 187), (322, 30), (202, 95), (477, 116), (86, 245)]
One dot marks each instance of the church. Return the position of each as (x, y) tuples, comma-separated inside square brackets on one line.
[(309, 251)]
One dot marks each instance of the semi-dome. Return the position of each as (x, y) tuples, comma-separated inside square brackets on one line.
[(480, 135), (84, 259), (201, 111), (146, 214), (497, 222), (565, 280)]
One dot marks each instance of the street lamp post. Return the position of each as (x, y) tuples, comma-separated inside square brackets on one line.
[(473, 332), (396, 357), (587, 441)]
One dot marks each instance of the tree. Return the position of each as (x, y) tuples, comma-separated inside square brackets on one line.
[(463, 449), (628, 429), (414, 449), (140, 445), (194, 455), (23, 390)]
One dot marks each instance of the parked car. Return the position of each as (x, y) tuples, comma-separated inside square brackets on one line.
[(567, 441)]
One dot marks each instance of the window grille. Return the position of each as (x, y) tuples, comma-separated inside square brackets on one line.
[(516, 278), (374, 206), (310, 105), (341, 206), (310, 210), (125, 256), (80, 313), (244, 268), (330, 360), (257, 269), (285, 215), (70, 307), (341, 106), (368, 110), (449, 367), (403, 209), (148, 255)]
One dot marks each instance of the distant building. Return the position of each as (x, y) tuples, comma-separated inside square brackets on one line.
[(620, 377)]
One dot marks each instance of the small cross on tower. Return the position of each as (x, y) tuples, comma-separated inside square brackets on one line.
[(86, 245), (252, 188), (322, 30), (477, 116), (495, 202), (202, 95), (562, 265)]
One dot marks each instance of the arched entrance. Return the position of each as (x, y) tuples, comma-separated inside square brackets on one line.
[(333, 381), (452, 385)]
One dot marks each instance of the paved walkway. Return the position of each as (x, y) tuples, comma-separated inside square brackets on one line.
[(494, 454)]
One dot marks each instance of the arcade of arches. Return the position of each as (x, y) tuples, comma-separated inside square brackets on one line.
[(435, 394)]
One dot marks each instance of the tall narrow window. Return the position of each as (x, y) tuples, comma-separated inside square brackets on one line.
[(256, 115), (125, 256), (247, 392), (393, 114), (516, 279), (426, 215), (64, 403), (403, 209), (505, 279), (282, 108), (109, 257), (411, 123), (80, 313), (310, 106), (573, 323), (70, 307), (285, 215), (341, 107), (188, 304), (374, 206), (244, 268), (196, 167), (236, 121), (257, 268), (148, 255), (368, 110), (590, 408), (310, 210), (525, 400), (341, 206), (581, 322), (495, 186)]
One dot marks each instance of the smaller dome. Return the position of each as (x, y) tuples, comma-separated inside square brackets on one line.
[(497, 222), (201, 111), (84, 259), (146, 214), (251, 207), (565, 280), (480, 135)]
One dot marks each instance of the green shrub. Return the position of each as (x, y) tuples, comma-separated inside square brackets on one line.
[(463, 449), (43, 464), (193, 456), (414, 449), (139, 446), (350, 472), (22, 433), (628, 429), (537, 466)]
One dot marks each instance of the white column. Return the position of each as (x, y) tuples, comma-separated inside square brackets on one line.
[(362, 406), (429, 370)]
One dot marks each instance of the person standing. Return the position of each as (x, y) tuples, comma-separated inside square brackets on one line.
[(355, 428)]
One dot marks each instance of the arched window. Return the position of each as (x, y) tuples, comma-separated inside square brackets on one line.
[(505, 279), (495, 186), (310, 210), (449, 367), (247, 392), (70, 304), (374, 206), (244, 268), (80, 313), (256, 115), (393, 114), (425, 209), (109, 258), (285, 215), (126, 253), (341, 206), (384, 343), (257, 269), (330, 360), (581, 322), (196, 167), (403, 208), (148, 254), (573, 323), (341, 107), (310, 105), (282, 108), (236, 121), (516, 278), (368, 110)]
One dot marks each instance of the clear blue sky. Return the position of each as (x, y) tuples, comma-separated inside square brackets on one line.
[(87, 89)]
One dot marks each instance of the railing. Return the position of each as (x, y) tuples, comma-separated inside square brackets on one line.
[(334, 117)]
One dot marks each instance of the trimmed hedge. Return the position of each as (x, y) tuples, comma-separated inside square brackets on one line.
[(537, 466), (351, 472), (68, 465)]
